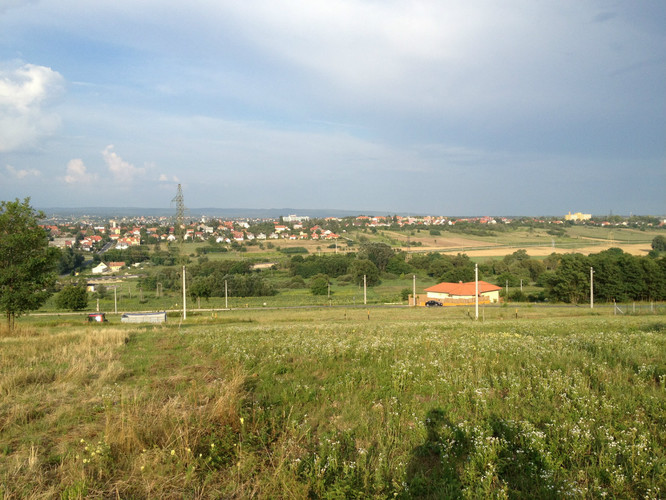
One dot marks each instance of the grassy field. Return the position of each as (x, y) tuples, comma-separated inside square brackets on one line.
[(336, 403)]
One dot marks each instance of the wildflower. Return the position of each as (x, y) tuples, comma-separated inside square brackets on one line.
[(212, 445), (173, 452), (242, 421)]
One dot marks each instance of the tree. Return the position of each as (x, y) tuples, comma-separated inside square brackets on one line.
[(659, 243), (570, 283), (319, 284), (364, 267), (27, 263), (73, 296), (70, 261), (378, 253), (101, 291)]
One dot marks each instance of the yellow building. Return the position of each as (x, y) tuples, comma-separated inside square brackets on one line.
[(577, 216)]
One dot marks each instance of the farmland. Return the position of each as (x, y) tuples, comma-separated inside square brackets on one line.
[(337, 402)]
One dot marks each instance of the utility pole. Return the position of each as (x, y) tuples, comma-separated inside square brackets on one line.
[(476, 290), (591, 288), (365, 291), (226, 295), (414, 290), (115, 299), (184, 297)]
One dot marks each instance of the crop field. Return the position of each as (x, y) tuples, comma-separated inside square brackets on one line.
[(336, 403)]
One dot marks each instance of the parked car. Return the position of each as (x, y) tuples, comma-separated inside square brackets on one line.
[(433, 303)]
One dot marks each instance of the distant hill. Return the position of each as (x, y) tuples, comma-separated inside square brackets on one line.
[(207, 211)]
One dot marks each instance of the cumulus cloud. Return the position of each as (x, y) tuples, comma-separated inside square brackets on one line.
[(22, 173), (77, 173), (165, 178), (25, 92), (122, 171)]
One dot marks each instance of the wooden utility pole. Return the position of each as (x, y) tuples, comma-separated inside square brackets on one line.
[(365, 290), (591, 288), (476, 290), (184, 297), (414, 290)]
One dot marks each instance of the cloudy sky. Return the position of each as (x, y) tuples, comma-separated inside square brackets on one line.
[(442, 107)]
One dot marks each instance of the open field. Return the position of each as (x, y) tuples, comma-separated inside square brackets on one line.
[(335, 403), (639, 249)]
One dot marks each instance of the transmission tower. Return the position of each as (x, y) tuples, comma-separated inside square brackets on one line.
[(179, 227)]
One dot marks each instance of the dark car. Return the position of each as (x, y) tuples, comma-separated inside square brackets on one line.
[(433, 303)]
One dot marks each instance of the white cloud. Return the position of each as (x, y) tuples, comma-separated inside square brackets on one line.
[(77, 173), (166, 178), (22, 173), (24, 95), (122, 171)]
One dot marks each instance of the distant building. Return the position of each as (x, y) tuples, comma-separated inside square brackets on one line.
[(295, 218), (577, 216)]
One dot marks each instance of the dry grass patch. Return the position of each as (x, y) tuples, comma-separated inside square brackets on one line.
[(76, 421)]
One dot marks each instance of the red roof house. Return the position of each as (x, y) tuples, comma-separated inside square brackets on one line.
[(463, 292)]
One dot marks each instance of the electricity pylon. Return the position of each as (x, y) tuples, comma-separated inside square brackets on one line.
[(179, 227)]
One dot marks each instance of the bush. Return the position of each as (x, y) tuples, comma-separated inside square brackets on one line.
[(659, 243), (293, 250), (319, 285), (73, 297)]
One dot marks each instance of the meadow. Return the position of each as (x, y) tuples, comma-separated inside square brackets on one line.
[(336, 403)]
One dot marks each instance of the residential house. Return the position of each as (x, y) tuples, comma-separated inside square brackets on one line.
[(116, 266), (100, 268), (463, 293)]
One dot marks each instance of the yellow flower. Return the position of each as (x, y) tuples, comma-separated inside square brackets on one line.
[(173, 452), (241, 420)]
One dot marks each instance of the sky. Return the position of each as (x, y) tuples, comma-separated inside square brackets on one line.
[(436, 107)]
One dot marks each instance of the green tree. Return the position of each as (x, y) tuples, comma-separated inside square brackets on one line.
[(73, 296), (364, 267), (27, 263), (101, 291), (319, 284), (200, 287), (570, 283), (70, 261), (659, 243), (378, 253)]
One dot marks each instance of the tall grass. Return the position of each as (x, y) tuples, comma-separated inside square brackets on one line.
[(331, 404)]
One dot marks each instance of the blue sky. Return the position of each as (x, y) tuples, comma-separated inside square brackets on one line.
[(431, 107)]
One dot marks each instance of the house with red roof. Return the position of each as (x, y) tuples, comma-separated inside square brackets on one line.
[(463, 293)]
